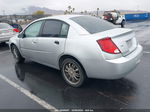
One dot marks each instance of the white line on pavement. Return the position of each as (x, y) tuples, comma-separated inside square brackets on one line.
[(146, 52), (30, 95)]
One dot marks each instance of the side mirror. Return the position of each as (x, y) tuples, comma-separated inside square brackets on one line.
[(21, 35)]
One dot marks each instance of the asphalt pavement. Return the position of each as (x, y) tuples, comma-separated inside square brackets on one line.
[(48, 89)]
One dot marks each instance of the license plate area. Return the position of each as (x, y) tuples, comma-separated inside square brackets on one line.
[(129, 43)]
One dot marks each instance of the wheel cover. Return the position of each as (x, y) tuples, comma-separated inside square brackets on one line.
[(15, 53), (72, 73)]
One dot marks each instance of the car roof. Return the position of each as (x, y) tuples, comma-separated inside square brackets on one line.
[(3, 23), (66, 18), (61, 17)]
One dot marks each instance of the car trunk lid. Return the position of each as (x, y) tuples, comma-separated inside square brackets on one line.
[(124, 39)]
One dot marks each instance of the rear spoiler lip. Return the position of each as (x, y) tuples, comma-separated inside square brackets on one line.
[(123, 34)]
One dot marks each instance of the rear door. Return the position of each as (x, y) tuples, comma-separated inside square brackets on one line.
[(51, 42), (29, 42)]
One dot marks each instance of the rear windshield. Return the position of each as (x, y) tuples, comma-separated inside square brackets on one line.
[(93, 24), (4, 26)]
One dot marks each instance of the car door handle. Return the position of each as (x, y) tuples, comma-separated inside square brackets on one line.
[(56, 42)]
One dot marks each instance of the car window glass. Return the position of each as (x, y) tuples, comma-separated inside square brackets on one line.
[(64, 30), (4, 26), (52, 28), (93, 24), (33, 30)]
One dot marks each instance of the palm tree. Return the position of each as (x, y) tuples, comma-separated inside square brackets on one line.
[(66, 12), (69, 8), (85, 11), (81, 12), (73, 9)]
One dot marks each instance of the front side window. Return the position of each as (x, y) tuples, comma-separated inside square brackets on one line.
[(34, 29), (54, 28)]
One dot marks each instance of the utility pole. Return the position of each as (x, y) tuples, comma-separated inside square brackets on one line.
[(97, 11), (3, 12)]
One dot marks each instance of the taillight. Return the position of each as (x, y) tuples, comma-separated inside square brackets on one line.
[(105, 17), (107, 45), (15, 30)]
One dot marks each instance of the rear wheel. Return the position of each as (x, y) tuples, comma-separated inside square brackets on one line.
[(16, 54), (73, 72)]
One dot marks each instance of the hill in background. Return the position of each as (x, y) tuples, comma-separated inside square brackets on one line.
[(30, 10)]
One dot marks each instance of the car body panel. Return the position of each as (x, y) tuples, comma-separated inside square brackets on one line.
[(113, 69), (47, 51), (6, 34)]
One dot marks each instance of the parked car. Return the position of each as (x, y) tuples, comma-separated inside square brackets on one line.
[(12, 23), (114, 17), (80, 46), (6, 32), (17, 26)]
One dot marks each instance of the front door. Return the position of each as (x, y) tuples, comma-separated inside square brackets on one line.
[(51, 43), (29, 42)]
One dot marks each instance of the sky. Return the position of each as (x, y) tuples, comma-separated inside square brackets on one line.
[(16, 6)]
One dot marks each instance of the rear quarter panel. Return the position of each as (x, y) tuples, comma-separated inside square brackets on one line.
[(86, 51)]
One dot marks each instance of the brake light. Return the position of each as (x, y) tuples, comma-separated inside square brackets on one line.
[(107, 45), (15, 30), (105, 17)]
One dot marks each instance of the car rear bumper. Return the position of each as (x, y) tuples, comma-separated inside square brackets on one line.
[(116, 68)]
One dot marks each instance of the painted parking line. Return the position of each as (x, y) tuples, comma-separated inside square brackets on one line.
[(146, 52), (29, 94)]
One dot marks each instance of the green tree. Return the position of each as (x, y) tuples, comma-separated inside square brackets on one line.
[(39, 12)]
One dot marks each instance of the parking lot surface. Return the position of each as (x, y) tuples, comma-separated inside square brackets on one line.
[(131, 92)]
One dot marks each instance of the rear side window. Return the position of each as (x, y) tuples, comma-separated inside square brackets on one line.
[(64, 30), (93, 24), (54, 28), (4, 26)]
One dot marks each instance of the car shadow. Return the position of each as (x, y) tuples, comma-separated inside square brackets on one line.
[(4, 47), (43, 80)]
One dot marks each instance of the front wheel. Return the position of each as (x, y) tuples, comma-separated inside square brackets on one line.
[(73, 72), (16, 54), (123, 24)]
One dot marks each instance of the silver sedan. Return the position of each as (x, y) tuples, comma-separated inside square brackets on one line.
[(6, 32), (80, 46)]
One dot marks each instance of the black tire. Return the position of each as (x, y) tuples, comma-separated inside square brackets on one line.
[(16, 54), (3, 43), (123, 24), (80, 76)]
